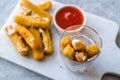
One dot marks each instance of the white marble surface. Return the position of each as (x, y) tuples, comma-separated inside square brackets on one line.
[(105, 8)]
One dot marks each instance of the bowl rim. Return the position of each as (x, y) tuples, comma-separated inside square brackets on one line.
[(91, 59), (60, 30)]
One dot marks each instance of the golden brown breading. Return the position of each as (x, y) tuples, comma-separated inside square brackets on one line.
[(38, 53), (92, 50), (17, 41), (36, 33), (45, 5), (78, 45), (47, 41), (28, 36), (39, 22), (69, 52), (65, 41), (35, 9)]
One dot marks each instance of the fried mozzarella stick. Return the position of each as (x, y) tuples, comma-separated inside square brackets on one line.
[(17, 41), (28, 36), (25, 12), (47, 41), (39, 22), (38, 53), (35, 9), (45, 5)]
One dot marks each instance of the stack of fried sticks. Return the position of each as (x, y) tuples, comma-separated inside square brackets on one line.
[(32, 30)]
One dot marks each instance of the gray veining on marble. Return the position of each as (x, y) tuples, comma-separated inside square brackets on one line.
[(109, 9)]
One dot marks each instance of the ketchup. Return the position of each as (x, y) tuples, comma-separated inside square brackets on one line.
[(69, 16)]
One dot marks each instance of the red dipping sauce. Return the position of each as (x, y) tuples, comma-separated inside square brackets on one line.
[(69, 16)]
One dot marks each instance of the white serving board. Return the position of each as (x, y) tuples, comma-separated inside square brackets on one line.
[(52, 66)]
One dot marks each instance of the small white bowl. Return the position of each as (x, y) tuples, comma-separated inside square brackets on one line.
[(60, 30)]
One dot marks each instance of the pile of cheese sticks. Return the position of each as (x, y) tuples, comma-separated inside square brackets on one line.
[(32, 30)]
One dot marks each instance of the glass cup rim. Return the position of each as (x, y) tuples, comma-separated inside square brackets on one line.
[(91, 59)]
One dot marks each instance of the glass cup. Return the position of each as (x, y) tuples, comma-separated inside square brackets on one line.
[(87, 35)]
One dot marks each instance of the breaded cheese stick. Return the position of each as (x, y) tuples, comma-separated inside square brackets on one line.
[(45, 5), (17, 41), (26, 13), (28, 36), (47, 41), (32, 21), (36, 33), (35, 9), (38, 53)]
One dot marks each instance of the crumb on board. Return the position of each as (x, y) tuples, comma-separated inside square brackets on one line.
[(61, 66)]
